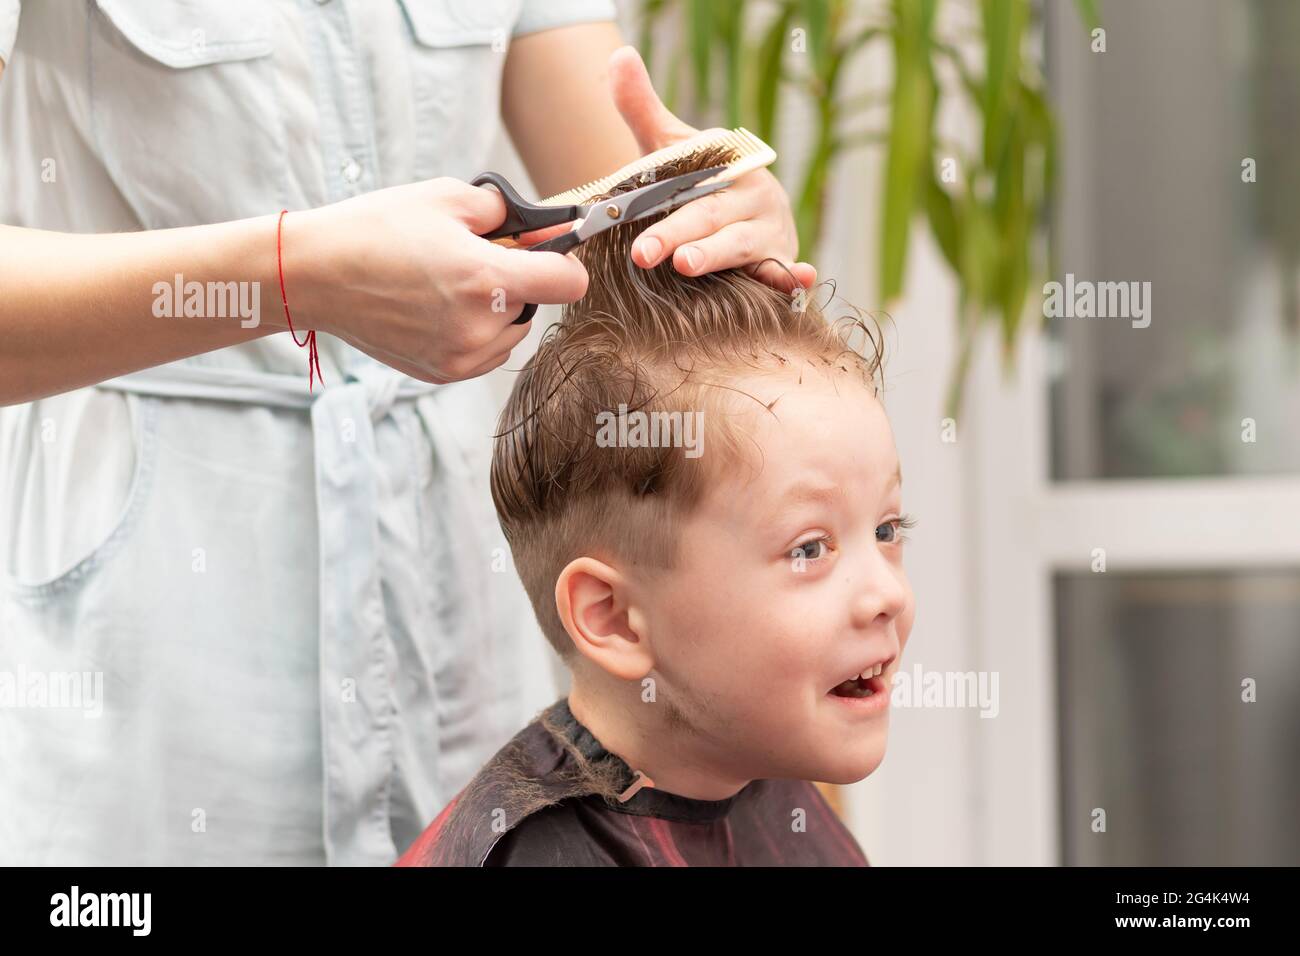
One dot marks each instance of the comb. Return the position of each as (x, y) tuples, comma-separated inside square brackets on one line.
[(750, 151)]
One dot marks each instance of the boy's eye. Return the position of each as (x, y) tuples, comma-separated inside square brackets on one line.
[(891, 531), (810, 550)]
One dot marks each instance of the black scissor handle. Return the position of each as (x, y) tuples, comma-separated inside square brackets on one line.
[(524, 216)]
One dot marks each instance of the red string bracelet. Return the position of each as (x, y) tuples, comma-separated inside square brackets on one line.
[(313, 359)]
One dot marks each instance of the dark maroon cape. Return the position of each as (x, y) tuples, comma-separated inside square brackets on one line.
[(490, 824)]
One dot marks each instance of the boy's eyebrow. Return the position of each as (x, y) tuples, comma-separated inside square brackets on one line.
[(797, 492), (809, 491), (816, 491)]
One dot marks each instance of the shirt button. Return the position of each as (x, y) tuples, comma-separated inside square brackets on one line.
[(351, 171)]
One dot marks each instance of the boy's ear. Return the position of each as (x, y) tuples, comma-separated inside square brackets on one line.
[(593, 601)]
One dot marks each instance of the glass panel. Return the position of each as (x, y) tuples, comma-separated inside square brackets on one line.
[(1154, 730), (1154, 134)]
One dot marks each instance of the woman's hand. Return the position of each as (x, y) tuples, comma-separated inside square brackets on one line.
[(404, 275), (737, 227)]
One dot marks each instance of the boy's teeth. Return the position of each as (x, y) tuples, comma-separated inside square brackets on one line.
[(853, 687)]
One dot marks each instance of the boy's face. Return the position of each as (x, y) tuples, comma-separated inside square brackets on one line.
[(789, 580)]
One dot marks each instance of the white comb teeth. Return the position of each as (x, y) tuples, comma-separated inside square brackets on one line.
[(751, 153)]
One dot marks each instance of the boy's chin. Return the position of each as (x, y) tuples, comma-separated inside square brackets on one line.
[(850, 768)]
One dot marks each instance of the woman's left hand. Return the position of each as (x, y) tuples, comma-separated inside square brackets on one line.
[(737, 227)]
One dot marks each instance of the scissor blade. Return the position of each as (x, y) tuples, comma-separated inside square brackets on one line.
[(656, 197), (640, 200), (681, 199)]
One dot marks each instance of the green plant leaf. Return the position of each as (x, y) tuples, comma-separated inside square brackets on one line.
[(1040, 131), (1015, 283), (1004, 23), (701, 44), (815, 15), (812, 197), (731, 26), (1088, 13), (771, 60), (1013, 259), (986, 229), (978, 252), (672, 91), (944, 222), (909, 137), (967, 326)]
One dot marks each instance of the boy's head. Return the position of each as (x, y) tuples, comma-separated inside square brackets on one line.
[(700, 486)]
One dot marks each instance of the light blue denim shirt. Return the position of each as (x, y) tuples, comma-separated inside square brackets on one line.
[(241, 622)]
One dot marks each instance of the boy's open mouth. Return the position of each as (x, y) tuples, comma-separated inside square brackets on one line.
[(857, 687), (864, 684)]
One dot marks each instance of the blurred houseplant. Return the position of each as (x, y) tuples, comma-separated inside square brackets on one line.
[(738, 58)]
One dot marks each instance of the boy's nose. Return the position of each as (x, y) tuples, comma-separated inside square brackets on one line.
[(882, 594)]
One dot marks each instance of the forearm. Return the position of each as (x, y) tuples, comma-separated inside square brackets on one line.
[(79, 309), (556, 105)]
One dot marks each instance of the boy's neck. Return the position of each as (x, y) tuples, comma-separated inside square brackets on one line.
[(639, 733)]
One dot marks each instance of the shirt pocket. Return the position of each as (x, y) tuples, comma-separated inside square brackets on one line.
[(457, 54), (183, 107), (77, 472)]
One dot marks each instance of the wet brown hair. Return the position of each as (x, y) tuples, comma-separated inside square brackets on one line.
[(651, 340)]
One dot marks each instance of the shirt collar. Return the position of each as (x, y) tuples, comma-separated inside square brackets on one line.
[(648, 801)]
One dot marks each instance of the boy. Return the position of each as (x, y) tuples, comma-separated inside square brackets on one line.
[(702, 496)]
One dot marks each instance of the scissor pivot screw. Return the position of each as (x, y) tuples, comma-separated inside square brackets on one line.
[(612, 212)]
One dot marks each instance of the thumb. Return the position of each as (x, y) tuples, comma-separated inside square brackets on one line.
[(652, 123)]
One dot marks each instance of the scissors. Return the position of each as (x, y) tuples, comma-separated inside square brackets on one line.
[(524, 216)]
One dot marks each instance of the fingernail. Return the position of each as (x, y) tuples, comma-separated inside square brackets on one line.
[(693, 257), (651, 248)]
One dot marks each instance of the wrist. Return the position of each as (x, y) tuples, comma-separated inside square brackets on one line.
[(299, 260)]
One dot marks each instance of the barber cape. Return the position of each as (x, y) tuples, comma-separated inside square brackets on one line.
[(532, 806)]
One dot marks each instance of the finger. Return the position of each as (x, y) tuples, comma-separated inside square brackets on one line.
[(493, 363), (697, 219), (481, 208), (541, 277), (652, 123), (778, 275), (535, 236), (731, 247), (510, 336), (403, 365), (465, 366), (483, 360)]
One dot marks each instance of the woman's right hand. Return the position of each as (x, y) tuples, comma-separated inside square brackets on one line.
[(404, 275)]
